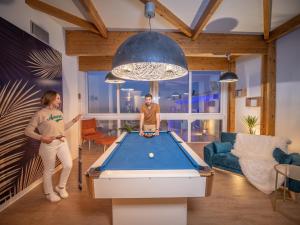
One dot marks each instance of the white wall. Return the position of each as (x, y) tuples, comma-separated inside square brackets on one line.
[(20, 14), (287, 122), (71, 106), (288, 89), (248, 69)]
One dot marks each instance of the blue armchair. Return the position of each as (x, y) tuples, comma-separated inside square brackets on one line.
[(222, 159), (217, 154)]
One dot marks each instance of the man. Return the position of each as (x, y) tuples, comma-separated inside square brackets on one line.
[(150, 119)]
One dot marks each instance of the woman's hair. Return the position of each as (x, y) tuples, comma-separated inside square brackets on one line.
[(48, 97)]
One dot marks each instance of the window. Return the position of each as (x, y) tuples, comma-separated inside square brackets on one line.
[(102, 97), (174, 95), (108, 127), (199, 122), (206, 130), (132, 95), (206, 92), (180, 127)]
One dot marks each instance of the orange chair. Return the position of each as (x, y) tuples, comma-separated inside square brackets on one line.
[(89, 133), (105, 141)]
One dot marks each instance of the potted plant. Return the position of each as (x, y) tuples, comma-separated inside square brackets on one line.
[(128, 128), (251, 123)]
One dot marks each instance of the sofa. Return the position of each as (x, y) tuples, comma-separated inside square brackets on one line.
[(218, 154)]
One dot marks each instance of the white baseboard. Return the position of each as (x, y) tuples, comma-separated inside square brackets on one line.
[(25, 191)]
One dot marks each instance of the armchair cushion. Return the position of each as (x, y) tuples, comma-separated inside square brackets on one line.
[(227, 161), (88, 131), (222, 147), (295, 159)]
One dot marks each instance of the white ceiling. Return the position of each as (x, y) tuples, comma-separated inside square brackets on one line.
[(232, 16), (282, 11)]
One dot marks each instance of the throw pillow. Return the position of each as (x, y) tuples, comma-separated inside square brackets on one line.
[(222, 147)]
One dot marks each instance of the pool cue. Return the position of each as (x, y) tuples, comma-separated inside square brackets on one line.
[(80, 168), (79, 147)]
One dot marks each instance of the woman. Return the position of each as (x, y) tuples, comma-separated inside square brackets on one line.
[(49, 123)]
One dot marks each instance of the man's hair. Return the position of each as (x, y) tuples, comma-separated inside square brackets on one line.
[(48, 97), (148, 96)]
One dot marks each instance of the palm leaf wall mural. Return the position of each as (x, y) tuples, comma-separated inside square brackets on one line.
[(30, 173), (27, 67), (45, 63), (18, 103), (16, 106)]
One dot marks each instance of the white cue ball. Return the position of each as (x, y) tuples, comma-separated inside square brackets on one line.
[(151, 155)]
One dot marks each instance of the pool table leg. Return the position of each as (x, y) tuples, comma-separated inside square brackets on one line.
[(151, 211)]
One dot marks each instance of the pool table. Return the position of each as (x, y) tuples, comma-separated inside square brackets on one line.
[(149, 188)]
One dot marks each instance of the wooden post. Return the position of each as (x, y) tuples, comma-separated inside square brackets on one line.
[(268, 91), (263, 84), (231, 103)]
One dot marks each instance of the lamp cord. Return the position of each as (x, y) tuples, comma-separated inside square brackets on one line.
[(229, 63), (150, 23)]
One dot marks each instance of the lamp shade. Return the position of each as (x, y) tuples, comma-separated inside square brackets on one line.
[(111, 79), (228, 77), (149, 56)]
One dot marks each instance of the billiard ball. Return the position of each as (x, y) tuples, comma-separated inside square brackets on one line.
[(151, 155)]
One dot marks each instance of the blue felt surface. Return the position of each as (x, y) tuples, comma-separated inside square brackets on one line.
[(132, 154)]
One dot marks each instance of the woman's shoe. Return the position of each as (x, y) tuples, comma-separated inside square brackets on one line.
[(53, 197), (62, 192)]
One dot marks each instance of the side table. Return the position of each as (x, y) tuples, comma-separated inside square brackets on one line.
[(288, 171)]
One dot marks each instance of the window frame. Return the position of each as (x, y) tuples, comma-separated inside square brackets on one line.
[(154, 88)]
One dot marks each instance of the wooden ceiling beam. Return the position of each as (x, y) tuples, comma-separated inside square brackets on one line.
[(102, 63), (60, 14), (207, 14), (285, 28), (95, 17), (85, 43), (267, 4), (170, 17)]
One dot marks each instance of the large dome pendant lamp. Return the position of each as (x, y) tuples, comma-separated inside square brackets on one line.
[(229, 76), (149, 56)]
